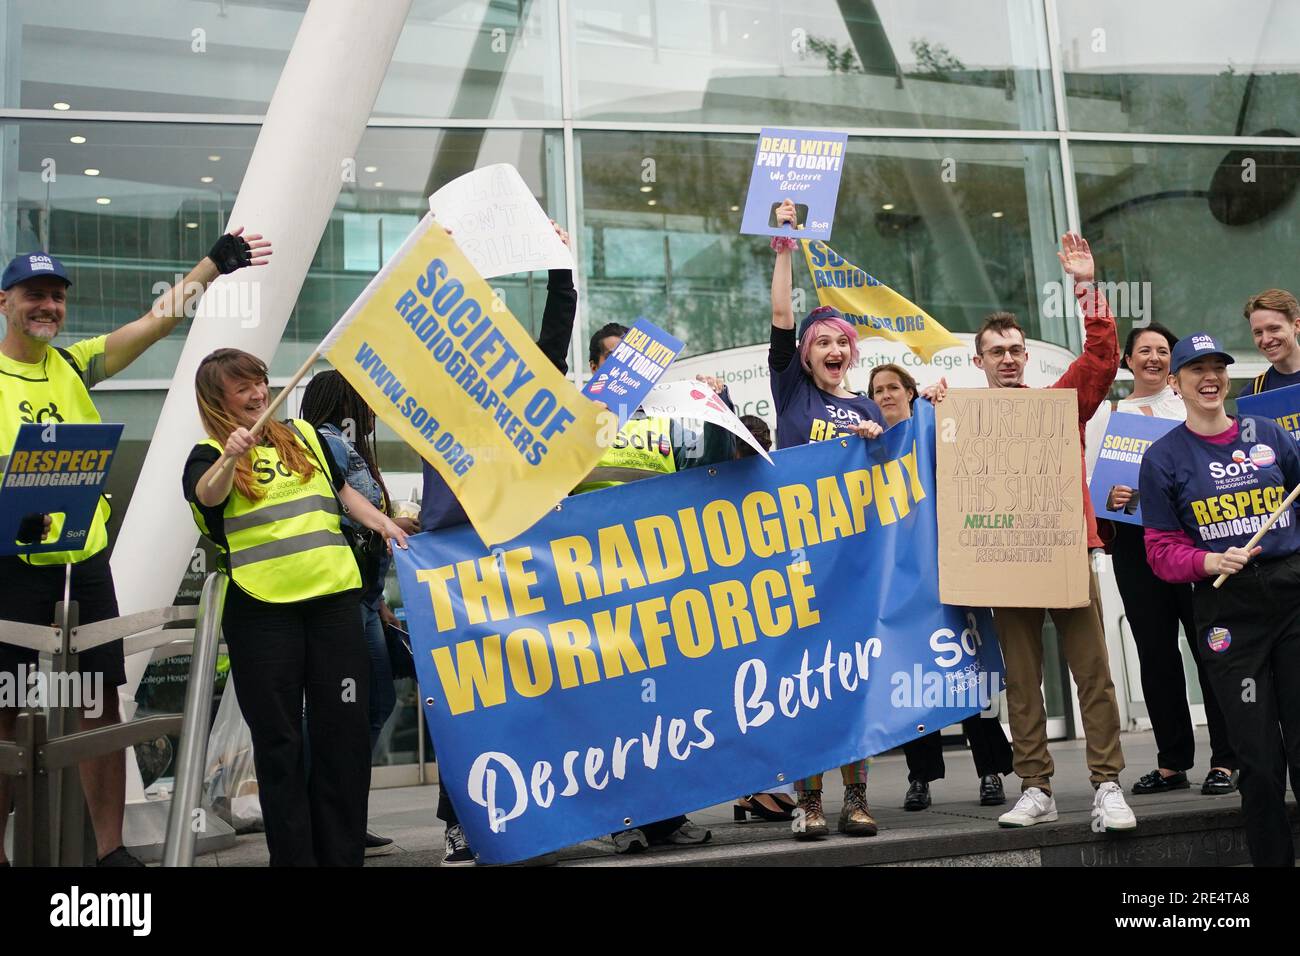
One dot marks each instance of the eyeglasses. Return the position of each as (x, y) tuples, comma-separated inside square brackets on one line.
[(1016, 352)]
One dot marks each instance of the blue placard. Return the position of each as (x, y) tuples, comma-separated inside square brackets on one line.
[(1119, 461), (1281, 404), (633, 368), (662, 646), (59, 470), (803, 166)]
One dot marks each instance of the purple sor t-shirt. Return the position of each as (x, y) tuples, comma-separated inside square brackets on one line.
[(804, 413)]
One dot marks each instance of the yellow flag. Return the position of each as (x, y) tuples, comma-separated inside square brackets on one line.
[(441, 360), (871, 306)]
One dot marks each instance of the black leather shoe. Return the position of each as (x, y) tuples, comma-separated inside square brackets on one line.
[(991, 792), (1218, 783), (918, 796), (1156, 782)]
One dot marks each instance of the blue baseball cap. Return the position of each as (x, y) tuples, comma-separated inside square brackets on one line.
[(30, 266), (816, 315), (1198, 345)]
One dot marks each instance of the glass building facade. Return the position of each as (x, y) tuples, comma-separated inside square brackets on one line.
[(979, 131)]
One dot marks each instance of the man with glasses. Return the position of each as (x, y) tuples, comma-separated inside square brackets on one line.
[(1000, 352)]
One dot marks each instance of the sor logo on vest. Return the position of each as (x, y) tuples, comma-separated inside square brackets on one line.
[(649, 441), (39, 416), (1240, 465), (266, 471)]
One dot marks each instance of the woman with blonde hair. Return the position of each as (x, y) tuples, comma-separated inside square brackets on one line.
[(270, 500)]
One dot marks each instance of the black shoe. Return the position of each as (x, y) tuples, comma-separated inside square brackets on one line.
[(119, 857), (991, 792), (1217, 783), (918, 796), (458, 851), (1156, 782), (377, 845)]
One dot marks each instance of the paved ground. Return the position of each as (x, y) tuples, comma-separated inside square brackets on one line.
[(955, 819)]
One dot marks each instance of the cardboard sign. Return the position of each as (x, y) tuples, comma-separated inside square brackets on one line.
[(803, 166), (496, 221), (1009, 480), (1119, 461), (59, 470), (633, 368), (1281, 404)]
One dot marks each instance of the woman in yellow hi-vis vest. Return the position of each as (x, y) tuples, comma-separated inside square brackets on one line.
[(292, 619)]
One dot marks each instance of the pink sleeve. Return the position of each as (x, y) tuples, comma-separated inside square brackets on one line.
[(1173, 557)]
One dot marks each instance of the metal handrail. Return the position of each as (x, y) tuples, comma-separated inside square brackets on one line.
[(178, 850), (33, 637), (88, 636)]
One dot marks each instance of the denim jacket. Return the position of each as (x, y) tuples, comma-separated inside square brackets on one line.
[(359, 479)]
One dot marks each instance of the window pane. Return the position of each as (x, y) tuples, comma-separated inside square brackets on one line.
[(476, 60), (669, 249), (1155, 218), (168, 56), (161, 217), (944, 64), (462, 60), (1182, 66)]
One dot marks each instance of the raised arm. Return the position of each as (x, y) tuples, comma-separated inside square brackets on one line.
[(783, 271), (1092, 372), (232, 251)]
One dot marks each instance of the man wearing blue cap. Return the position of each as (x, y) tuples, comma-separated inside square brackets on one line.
[(1207, 487), (40, 383)]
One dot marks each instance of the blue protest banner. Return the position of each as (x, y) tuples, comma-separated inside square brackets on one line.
[(657, 647), (1281, 404), (797, 164), (633, 368), (59, 470), (1119, 461)]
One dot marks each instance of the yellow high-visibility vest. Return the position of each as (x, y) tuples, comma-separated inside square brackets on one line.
[(288, 545), (643, 445)]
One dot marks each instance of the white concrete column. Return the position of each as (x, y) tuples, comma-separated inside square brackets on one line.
[(313, 125)]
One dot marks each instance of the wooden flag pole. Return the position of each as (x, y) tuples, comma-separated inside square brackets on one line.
[(1272, 519), (270, 410)]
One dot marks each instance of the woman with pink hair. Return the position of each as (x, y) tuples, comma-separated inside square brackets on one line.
[(814, 403)]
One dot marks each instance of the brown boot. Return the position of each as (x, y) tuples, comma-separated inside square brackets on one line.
[(855, 816), (809, 820)]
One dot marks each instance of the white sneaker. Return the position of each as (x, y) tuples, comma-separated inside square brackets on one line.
[(1109, 811), (1034, 806)]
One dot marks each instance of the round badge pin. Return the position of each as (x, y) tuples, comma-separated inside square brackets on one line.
[(1262, 456), (1219, 639)]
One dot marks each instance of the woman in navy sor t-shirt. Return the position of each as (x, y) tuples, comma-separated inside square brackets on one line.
[(813, 403), (1206, 488)]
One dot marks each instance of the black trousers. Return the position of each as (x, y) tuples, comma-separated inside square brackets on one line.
[(988, 745), (280, 653), (1154, 609), (1248, 636)]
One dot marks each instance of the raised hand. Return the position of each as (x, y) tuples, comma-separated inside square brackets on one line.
[(786, 214), (234, 251), (1076, 257), (560, 231)]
